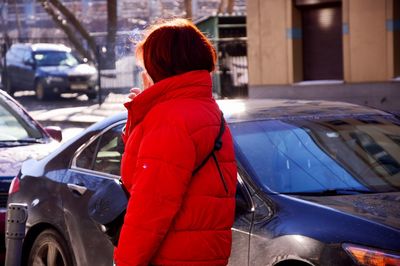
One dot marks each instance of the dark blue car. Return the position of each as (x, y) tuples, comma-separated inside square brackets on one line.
[(49, 70), (318, 185)]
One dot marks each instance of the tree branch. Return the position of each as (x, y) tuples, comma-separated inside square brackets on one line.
[(68, 31), (75, 22)]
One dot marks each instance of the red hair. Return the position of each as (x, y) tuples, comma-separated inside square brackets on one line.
[(175, 47)]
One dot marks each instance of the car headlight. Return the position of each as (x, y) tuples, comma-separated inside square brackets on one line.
[(93, 77), (371, 257), (54, 79)]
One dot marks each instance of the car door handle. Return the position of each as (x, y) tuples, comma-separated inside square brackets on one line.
[(77, 188)]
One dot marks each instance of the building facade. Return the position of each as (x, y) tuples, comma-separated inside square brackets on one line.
[(228, 34), (325, 49), (26, 18)]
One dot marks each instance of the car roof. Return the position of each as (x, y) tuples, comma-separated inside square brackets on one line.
[(43, 47), (50, 47), (271, 109), (5, 96), (266, 109)]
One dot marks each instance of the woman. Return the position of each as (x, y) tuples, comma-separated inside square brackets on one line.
[(175, 216)]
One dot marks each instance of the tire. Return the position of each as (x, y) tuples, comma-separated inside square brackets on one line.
[(293, 263), (49, 249), (41, 93), (92, 95), (7, 86)]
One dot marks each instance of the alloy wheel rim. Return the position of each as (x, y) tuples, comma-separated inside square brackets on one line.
[(49, 254), (39, 91)]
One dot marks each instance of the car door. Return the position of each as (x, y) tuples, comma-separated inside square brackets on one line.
[(260, 234), (241, 229), (94, 165), (27, 70), (14, 64)]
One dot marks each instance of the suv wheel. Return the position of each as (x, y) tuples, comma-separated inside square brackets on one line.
[(50, 249), (91, 95), (8, 87), (41, 93)]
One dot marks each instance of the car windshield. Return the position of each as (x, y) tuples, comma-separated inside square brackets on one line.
[(55, 58), (343, 155), (14, 129)]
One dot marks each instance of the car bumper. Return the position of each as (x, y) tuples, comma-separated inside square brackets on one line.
[(2, 236), (71, 87)]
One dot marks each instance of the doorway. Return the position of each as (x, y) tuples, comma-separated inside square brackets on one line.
[(322, 41)]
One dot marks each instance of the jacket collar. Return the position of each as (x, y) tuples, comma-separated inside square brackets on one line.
[(193, 84)]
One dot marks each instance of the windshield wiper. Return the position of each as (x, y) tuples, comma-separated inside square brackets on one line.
[(18, 142), (331, 192)]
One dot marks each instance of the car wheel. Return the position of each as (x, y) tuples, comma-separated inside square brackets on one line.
[(41, 93), (92, 95), (8, 87), (50, 249), (293, 263)]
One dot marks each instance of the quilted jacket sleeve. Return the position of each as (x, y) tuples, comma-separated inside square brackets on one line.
[(163, 171)]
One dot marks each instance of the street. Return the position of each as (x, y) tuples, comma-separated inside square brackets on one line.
[(297, 162), (70, 112)]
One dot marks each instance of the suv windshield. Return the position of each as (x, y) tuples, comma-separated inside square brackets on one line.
[(322, 157), (55, 58), (14, 129)]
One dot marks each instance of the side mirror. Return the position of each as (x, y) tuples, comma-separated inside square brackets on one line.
[(29, 62), (54, 132)]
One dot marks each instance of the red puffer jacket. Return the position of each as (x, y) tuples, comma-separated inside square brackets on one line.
[(173, 218)]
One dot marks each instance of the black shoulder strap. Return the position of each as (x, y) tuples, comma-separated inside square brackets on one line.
[(217, 145), (218, 140)]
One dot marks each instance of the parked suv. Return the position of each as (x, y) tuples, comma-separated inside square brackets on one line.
[(49, 69)]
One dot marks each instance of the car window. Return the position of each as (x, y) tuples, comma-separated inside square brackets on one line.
[(243, 199), (15, 54), (27, 56), (316, 155), (104, 154), (55, 58), (13, 126)]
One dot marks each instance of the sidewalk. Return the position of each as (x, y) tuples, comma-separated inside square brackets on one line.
[(82, 115)]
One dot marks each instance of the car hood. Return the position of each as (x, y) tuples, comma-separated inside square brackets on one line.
[(81, 69), (382, 208), (11, 158)]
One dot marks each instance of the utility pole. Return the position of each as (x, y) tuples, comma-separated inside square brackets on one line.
[(226, 6), (194, 8), (112, 21)]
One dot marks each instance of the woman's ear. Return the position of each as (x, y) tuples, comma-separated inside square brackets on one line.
[(147, 81)]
